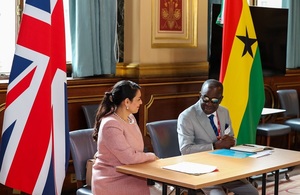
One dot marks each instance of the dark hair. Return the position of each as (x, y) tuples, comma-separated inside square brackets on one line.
[(111, 100)]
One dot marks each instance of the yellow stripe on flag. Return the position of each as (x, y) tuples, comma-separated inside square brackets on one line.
[(238, 71)]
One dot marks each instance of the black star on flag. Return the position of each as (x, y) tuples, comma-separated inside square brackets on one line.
[(248, 43)]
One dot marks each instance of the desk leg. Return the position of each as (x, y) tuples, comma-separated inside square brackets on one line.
[(263, 184), (276, 182), (192, 192), (177, 190), (164, 189)]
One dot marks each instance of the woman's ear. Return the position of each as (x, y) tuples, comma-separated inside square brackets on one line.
[(127, 102)]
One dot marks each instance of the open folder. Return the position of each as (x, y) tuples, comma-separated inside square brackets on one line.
[(250, 148), (191, 168)]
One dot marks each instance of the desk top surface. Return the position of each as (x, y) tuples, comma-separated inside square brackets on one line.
[(229, 168), (267, 111)]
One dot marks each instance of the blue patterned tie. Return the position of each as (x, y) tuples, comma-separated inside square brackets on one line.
[(211, 118)]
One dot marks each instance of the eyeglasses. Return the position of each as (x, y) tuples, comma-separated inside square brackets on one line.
[(212, 100)]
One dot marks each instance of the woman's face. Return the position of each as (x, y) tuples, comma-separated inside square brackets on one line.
[(134, 105)]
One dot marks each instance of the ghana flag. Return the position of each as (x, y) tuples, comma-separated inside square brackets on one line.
[(241, 71)]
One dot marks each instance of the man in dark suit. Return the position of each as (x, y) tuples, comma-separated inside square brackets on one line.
[(206, 126)]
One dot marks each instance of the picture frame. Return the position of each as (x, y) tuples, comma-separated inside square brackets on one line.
[(174, 23)]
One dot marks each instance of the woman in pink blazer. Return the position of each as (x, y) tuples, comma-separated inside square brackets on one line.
[(120, 142)]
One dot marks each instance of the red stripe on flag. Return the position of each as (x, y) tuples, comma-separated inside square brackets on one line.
[(19, 88), (232, 14), (37, 36), (40, 120), (58, 51), (34, 141)]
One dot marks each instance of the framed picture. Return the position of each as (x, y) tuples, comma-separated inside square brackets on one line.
[(174, 23)]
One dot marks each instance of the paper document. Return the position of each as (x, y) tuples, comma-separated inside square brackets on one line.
[(262, 153), (250, 148), (191, 168)]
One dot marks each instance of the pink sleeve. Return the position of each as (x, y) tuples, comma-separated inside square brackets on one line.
[(119, 146)]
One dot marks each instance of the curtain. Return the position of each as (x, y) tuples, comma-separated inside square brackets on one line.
[(293, 41), (93, 27)]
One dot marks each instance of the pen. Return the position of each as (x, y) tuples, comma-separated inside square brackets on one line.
[(248, 145)]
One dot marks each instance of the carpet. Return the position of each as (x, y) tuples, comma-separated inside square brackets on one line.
[(286, 187)]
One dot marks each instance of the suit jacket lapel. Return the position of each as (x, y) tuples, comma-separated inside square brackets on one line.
[(204, 121)]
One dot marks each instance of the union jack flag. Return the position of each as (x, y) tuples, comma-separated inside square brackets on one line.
[(34, 150)]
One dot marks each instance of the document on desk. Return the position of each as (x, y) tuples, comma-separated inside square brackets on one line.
[(250, 148), (191, 168), (232, 153), (262, 153)]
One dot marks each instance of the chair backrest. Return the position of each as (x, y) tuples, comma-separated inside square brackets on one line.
[(269, 103), (90, 112), (289, 101), (164, 138), (82, 147)]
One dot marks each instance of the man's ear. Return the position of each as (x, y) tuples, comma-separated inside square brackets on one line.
[(221, 98)]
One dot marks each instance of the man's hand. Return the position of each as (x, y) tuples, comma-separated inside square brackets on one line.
[(225, 142)]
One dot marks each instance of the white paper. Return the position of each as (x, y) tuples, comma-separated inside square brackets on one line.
[(249, 148), (191, 168), (227, 131), (261, 154)]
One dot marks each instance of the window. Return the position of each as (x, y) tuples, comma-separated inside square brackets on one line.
[(8, 33), (266, 3), (269, 3), (67, 32), (10, 12)]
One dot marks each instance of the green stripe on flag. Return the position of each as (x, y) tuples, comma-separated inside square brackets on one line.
[(247, 132)]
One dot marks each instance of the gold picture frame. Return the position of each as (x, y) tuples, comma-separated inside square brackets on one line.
[(174, 23)]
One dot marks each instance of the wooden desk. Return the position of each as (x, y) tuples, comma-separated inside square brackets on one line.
[(230, 169)]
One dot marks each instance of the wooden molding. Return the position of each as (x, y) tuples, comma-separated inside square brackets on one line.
[(162, 70)]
